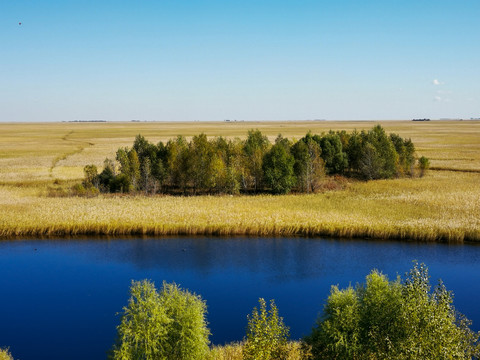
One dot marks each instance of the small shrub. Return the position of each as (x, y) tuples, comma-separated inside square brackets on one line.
[(423, 165), (266, 334)]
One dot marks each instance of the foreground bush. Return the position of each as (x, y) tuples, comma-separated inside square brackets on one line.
[(384, 319), (5, 354), (167, 325), (266, 334)]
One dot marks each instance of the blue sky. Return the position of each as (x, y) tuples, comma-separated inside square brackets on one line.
[(247, 60)]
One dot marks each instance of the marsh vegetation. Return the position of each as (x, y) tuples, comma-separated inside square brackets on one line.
[(41, 162)]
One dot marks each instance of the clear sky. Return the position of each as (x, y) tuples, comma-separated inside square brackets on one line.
[(175, 60)]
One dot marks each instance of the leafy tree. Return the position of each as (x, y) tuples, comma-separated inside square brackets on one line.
[(202, 159), (106, 176), (267, 335), (336, 160), (406, 154), (135, 174), (169, 325), (370, 163), (354, 150), (227, 165), (254, 149), (143, 330), (91, 176), (309, 167), (178, 162), (384, 319), (278, 168), (120, 184), (187, 332), (384, 159), (423, 165), (123, 160), (130, 166)]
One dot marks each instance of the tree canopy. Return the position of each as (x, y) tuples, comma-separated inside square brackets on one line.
[(231, 166), (400, 319)]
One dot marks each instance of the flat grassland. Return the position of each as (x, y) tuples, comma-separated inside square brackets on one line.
[(442, 206)]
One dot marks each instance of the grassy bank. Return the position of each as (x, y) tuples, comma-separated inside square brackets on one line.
[(443, 206)]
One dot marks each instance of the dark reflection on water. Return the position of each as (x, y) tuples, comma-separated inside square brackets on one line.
[(58, 298)]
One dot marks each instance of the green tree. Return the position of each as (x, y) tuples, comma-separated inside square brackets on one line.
[(382, 162), (309, 167), (354, 150), (143, 330), (120, 184), (423, 165), (406, 154), (169, 325), (178, 162), (278, 168), (135, 175), (106, 176), (336, 160), (370, 163), (122, 158), (202, 160), (187, 332), (91, 176), (267, 335), (255, 147), (384, 319)]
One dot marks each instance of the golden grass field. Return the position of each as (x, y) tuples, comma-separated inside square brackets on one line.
[(442, 206)]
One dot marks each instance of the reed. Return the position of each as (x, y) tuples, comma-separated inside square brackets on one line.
[(295, 351)]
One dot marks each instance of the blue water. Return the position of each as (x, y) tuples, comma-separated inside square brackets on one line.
[(59, 298)]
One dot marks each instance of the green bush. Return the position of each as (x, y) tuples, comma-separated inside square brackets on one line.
[(423, 165), (167, 325), (384, 319), (266, 334)]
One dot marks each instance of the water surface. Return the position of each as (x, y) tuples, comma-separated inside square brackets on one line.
[(59, 298)]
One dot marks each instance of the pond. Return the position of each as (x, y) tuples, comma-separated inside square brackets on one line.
[(59, 299)]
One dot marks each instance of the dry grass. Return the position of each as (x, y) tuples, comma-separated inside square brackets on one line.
[(443, 206), (234, 351)]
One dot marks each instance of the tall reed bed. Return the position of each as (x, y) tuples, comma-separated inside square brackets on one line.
[(444, 206), (234, 351)]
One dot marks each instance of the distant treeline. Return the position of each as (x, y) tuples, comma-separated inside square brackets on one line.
[(221, 165)]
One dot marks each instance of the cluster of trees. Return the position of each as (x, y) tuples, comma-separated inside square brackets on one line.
[(380, 319), (255, 164), (401, 319)]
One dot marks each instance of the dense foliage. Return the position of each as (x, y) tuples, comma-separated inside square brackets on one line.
[(384, 319), (169, 324), (266, 334), (229, 166)]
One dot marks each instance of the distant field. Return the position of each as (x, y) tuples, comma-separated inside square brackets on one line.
[(442, 206)]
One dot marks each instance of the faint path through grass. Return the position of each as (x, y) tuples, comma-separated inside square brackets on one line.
[(81, 146)]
